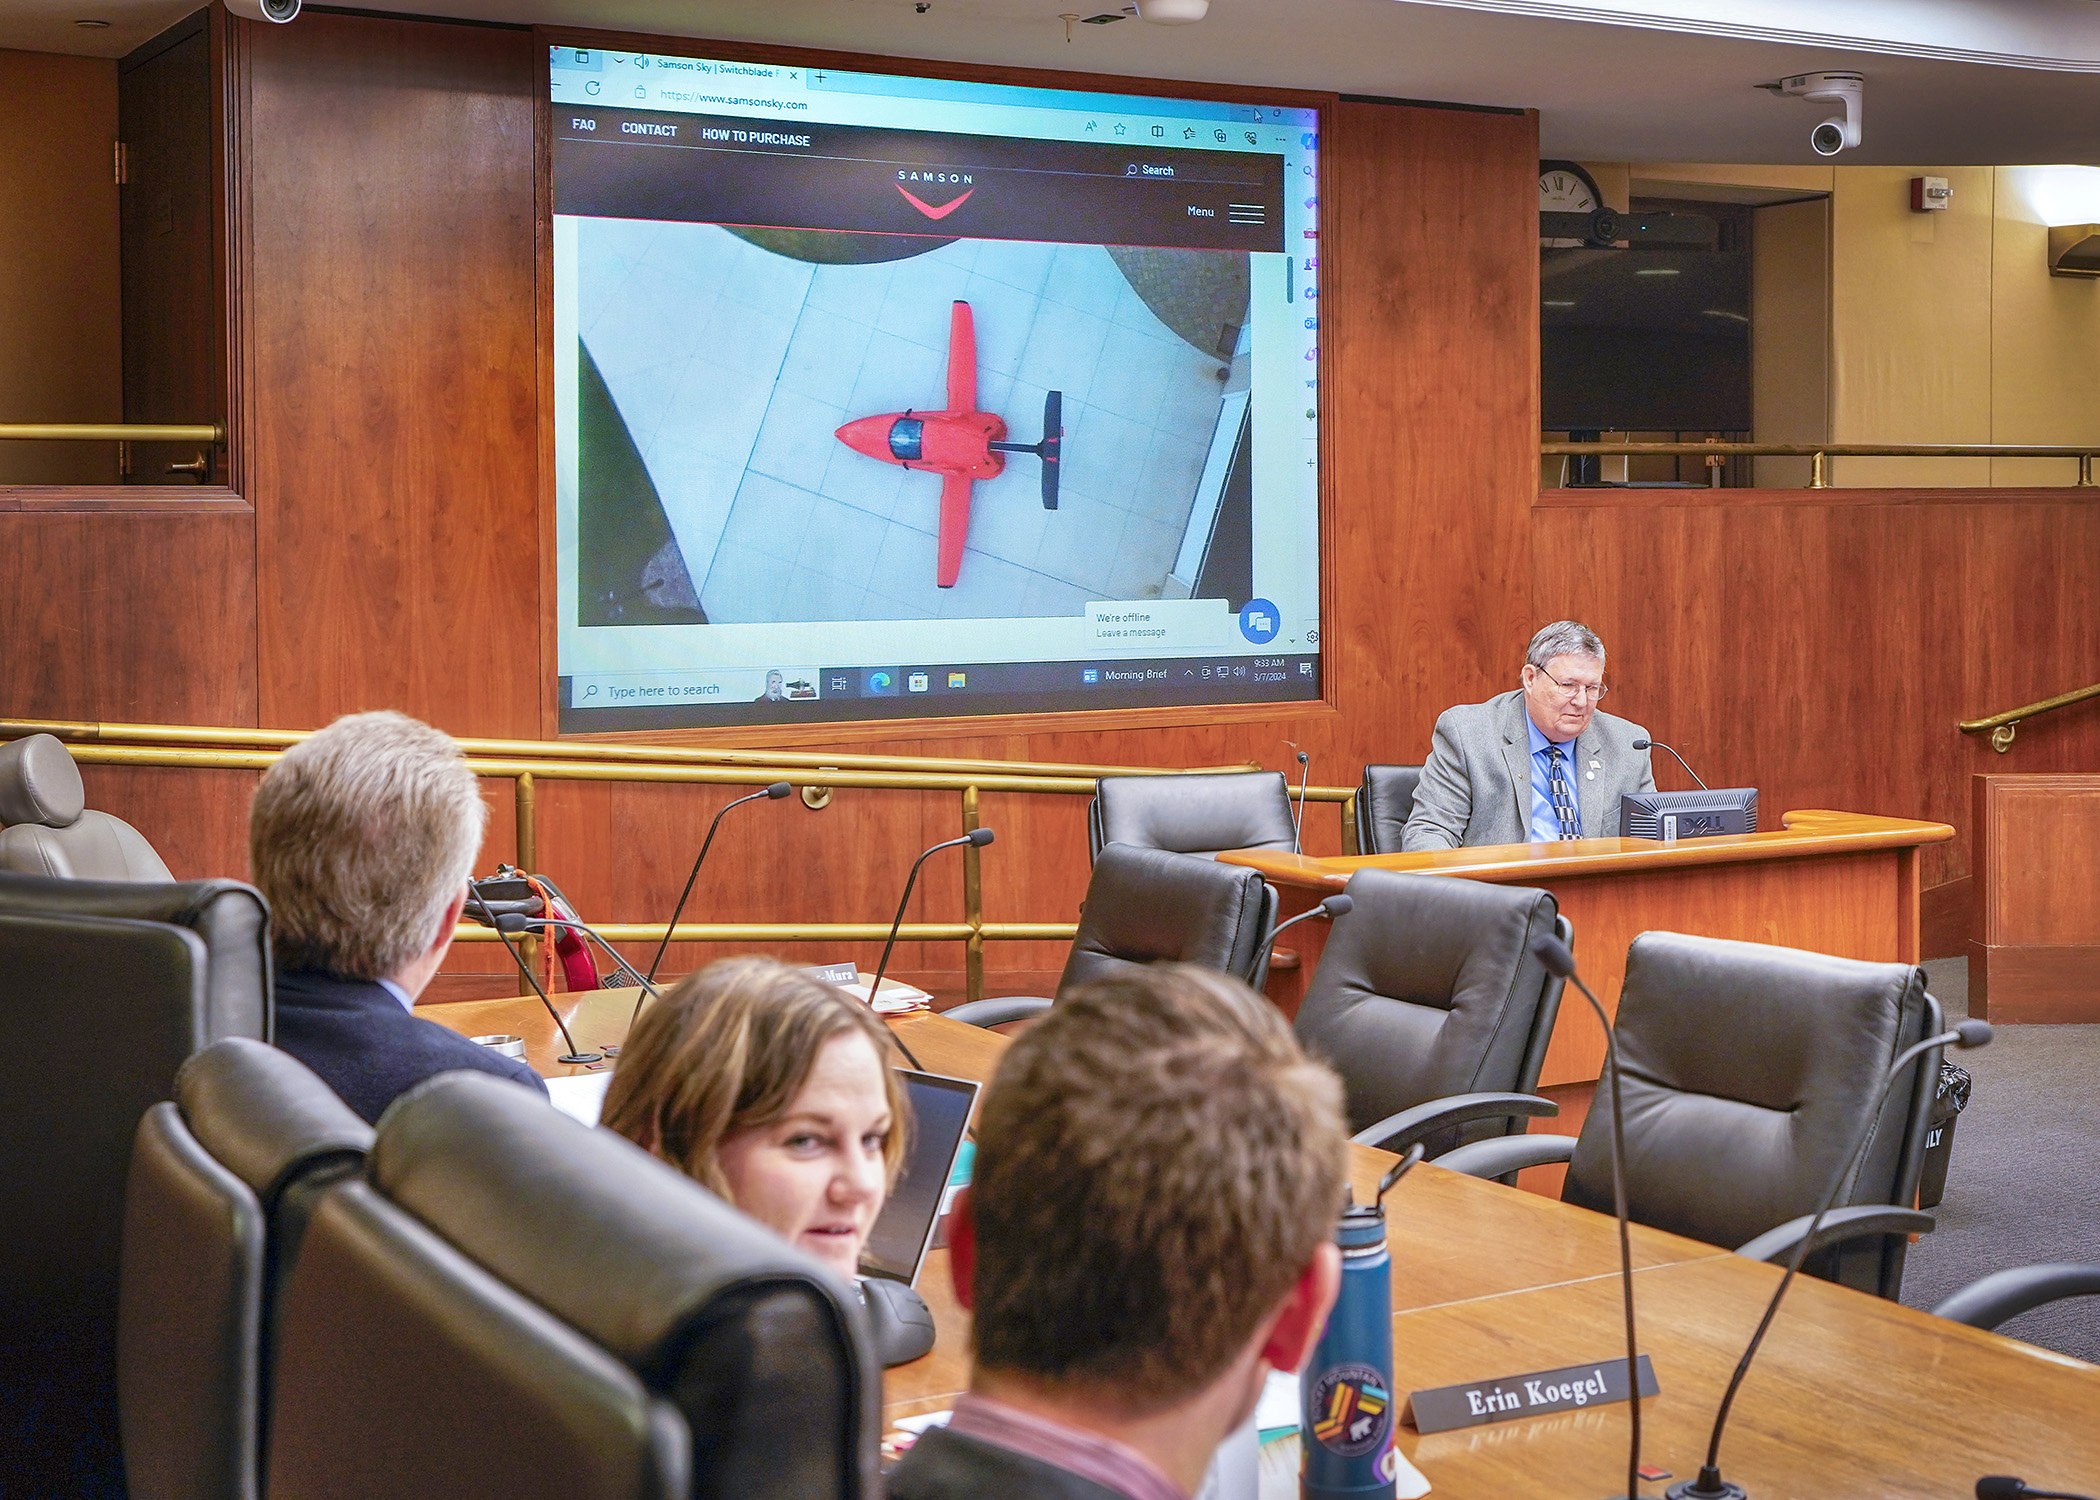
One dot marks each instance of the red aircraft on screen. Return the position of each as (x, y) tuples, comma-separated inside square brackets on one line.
[(961, 444)]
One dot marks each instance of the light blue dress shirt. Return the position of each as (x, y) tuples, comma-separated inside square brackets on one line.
[(409, 1005), (1545, 827)]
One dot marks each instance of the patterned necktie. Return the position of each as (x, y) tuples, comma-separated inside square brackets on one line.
[(1562, 794)]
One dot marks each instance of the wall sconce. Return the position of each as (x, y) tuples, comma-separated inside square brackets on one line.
[(2074, 250)]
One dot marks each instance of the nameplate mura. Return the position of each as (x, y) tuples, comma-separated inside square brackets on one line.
[(1479, 1402)]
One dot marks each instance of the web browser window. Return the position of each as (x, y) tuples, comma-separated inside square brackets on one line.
[(880, 397)]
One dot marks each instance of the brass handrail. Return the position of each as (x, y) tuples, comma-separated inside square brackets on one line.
[(88, 732), (222, 749), (1818, 452), (2002, 726), (115, 432)]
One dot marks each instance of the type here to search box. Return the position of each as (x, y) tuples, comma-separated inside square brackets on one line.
[(659, 689)]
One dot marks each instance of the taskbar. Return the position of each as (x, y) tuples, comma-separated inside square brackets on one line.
[(844, 695)]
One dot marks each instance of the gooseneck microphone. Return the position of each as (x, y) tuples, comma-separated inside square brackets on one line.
[(574, 1054), (772, 793), (1560, 961), (1659, 745), (1334, 906), (976, 838), (1710, 1485), (2006, 1487), (1298, 822)]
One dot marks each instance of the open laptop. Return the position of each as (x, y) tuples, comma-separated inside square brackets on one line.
[(903, 1231)]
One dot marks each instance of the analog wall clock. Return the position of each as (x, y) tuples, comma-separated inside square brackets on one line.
[(1565, 188)]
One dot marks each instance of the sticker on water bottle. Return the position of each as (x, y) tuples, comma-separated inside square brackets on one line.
[(1353, 1410)]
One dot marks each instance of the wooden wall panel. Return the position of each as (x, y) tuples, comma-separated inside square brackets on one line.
[(128, 616), (1825, 653), (392, 370)]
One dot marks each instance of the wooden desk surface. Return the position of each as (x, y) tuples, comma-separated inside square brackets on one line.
[(1852, 1397), (1801, 835)]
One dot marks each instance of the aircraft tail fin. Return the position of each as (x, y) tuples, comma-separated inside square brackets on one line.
[(1052, 448)]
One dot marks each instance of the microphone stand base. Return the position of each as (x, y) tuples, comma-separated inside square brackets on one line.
[(1699, 1489), (582, 1057)]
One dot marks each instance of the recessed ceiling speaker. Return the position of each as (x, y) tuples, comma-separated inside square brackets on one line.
[(279, 11), (1172, 12)]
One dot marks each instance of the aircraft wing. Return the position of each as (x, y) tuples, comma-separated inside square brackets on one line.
[(955, 512), (962, 363)]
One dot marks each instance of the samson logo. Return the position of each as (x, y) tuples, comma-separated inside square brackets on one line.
[(930, 210)]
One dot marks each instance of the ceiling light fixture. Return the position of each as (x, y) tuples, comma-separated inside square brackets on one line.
[(1556, 304), (1172, 12), (1657, 271), (2074, 250)]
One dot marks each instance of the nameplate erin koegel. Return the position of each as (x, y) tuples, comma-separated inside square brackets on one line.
[(1478, 1402)]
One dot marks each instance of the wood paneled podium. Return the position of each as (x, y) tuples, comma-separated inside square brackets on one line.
[(1832, 882)]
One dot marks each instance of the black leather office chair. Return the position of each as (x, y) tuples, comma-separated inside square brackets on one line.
[(1749, 1072), (588, 1245), (1199, 814), (406, 1370), (1383, 804), (98, 1013), (222, 1183), (2004, 1295), (47, 828), (1431, 1005), (232, 918), (1148, 906)]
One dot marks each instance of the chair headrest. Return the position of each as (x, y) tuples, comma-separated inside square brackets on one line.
[(39, 783), (1430, 939), (232, 918), (1151, 905), (616, 1243), (1201, 813), (264, 1114)]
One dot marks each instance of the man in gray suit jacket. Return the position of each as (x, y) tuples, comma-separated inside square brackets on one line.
[(1535, 765)]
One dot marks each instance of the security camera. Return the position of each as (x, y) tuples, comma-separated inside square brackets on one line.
[(1849, 89), (279, 11)]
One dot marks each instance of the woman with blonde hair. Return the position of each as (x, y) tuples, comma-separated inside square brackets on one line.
[(774, 1090)]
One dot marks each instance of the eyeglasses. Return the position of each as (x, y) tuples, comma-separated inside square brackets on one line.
[(1593, 690)]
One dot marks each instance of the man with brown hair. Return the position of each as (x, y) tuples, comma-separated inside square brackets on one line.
[(1150, 1232)]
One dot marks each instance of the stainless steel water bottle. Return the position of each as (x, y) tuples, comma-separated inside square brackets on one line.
[(1345, 1397)]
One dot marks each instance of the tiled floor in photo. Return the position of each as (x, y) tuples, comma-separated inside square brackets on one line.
[(734, 366)]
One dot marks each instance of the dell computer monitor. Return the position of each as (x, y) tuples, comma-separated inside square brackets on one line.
[(1671, 816)]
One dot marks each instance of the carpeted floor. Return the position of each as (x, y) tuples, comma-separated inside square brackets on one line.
[(2024, 1182)]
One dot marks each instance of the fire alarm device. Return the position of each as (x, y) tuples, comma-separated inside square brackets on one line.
[(1929, 194)]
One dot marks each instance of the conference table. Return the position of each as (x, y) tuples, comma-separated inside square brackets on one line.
[(1851, 1397)]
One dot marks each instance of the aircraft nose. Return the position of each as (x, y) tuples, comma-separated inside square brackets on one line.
[(869, 435)]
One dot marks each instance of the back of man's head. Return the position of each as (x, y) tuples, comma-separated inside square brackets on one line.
[(359, 837), (1156, 1162)]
